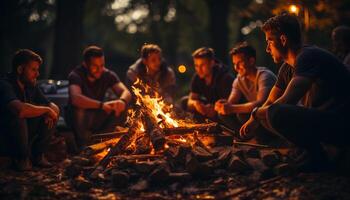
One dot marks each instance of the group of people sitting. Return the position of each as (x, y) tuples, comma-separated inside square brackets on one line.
[(307, 103)]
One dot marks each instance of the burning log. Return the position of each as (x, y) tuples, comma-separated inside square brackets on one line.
[(99, 147), (139, 157), (153, 130), (143, 145), (118, 148), (200, 143), (106, 136), (198, 127), (167, 131)]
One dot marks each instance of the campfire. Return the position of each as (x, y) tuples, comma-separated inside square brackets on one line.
[(160, 147), (154, 131)]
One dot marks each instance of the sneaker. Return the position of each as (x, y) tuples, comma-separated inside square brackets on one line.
[(22, 164), (41, 161)]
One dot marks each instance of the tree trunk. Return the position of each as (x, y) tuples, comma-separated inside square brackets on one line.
[(68, 37), (218, 27)]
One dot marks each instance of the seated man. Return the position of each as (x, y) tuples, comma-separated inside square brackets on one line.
[(320, 82), (211, 82), (341, 43), (152, 70), (87, 111), (27, 118), (252, 83)]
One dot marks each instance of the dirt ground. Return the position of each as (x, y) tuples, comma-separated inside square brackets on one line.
[(53, 183)]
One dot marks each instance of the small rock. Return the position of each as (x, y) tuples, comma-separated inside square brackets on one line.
[(284, 169), (237, 165), (141, 185), (256, 164), (238, 152), (224, 156), (183, 177), (81, 161), (253, 153), (144, 167), (201, 154), (271, 158), (195, 168), (81, 184), (73, 170), (120, 179), (160, 175)]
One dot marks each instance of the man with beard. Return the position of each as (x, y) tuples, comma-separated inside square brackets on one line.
[(88, 112), (27, 118), (311, 107)]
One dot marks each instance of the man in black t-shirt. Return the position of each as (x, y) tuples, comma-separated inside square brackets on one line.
[(87, 111), (211, 83), (313, 107), (27, 118)]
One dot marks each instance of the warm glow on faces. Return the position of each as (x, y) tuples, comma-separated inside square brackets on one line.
[(153, 62), (29, 73), (241, 64), (274, 47), (203, 67), (96, 66)]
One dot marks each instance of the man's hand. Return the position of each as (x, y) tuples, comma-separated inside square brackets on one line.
[(210, 111), (51, 117), (248, 128), (199, 106), (119, 107), (223, 107), (108, 107)]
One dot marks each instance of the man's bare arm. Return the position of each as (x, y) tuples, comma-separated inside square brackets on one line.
[(296, 89), (26, 110), (122, 91), (81, 101)]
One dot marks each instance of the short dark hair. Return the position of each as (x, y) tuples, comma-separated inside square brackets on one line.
[(204, 52), (245, 49), (24, 56), (92, 51), (342, 36), (286, 24), (147, 49)]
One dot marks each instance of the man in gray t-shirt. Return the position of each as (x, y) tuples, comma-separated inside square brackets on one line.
[(250, 89)]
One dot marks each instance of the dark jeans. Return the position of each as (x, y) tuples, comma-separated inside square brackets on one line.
[(307, 128), (86, 122), (22, 138)]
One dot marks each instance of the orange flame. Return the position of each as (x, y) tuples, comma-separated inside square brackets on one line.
[(155, 104)]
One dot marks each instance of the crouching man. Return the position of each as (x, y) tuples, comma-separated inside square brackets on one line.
[(87, 111), (249, 90), (27, 118), (310, 102)]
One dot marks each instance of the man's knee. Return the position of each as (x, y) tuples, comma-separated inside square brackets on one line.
[(275, 115)]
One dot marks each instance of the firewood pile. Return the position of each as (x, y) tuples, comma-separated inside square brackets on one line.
[(180, 162), (158, 150)]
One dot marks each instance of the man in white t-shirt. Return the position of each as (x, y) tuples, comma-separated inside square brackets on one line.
[(249, 90)]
